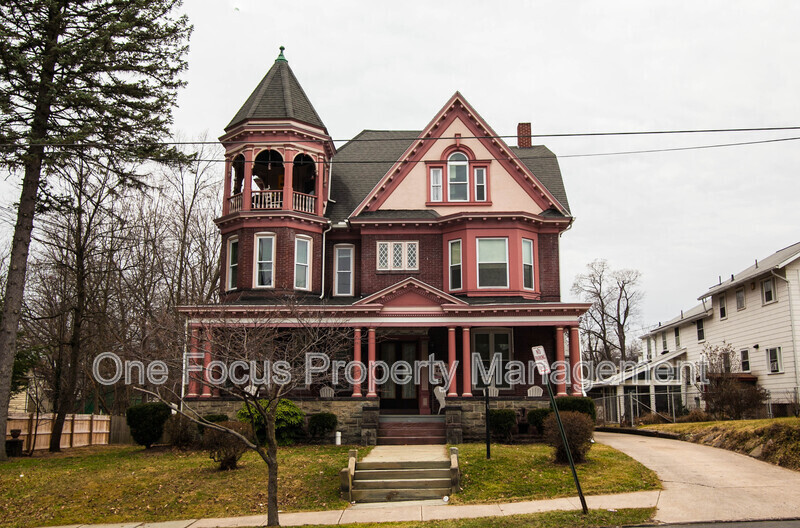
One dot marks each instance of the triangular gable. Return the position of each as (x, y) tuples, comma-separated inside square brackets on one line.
[(458, 108), (410, 292)]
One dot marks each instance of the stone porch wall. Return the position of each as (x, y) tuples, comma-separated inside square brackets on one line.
[(472, 411)]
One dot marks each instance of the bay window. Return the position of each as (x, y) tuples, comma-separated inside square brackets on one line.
[(233, 262), (492, 262), (527, 263), (455, 264), (265, 261)]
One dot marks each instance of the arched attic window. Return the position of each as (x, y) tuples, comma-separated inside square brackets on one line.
[(268, 170), (304, 174), (458, 177), (237, 174)]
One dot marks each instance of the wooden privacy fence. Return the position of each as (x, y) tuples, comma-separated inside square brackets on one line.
[(79, 429)]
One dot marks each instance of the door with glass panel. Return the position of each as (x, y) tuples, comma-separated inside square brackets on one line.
[(399, 396)]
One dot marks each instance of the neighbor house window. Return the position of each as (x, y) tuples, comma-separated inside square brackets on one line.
[(664, 342), (649, 348), (492, 262), (265, 261), (233, 263), (480, 184), (457, 178), (302, 263), (489, 343), (527, 263), (677, 337), (343, 256), (768, 291), (701, 334), (744, 356), (775, 360), (398, 256), (436, 184), (455, 264), (740, 302), (723, 306)]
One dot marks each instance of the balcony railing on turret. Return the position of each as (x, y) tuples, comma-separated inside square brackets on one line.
[(272, 200)]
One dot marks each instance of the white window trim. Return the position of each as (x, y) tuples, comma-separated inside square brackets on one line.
[(697, 323), (391, 244), (533, 265), (460, 163), (336, 249), (742, 352), (744, 298), (440, 171), (478, 264), (780, 361), (492, 331), (723, 306), (310, 255), (228, 284), (475, 184), (255, 259), (676, 335), (771, 280), (450, 263)]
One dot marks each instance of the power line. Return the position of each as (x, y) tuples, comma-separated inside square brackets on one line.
[(417, 138)]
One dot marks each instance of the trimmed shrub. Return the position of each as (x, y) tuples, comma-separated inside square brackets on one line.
[(225, 448), (289, 422), (695, 415), (146, 421), (179, 431), (579, 429), (213, 418), (577, 404), (321, 424), (502, 422), (536, 418)]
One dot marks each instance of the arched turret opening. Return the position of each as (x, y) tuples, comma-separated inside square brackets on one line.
[(237, 174), (268, 171), (304, 174)]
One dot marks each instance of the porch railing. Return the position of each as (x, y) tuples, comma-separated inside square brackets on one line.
[(267, 199), (235, 203), (305, 203)]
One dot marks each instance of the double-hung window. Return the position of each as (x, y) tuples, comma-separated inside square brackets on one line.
[(768, 291), (233, 263), (745, 360), (701, 333), (677, 337), (265, 261), (775, 360), (343, 256), (492, 262), (664, 347), (527, 263), (455, 264), (723, 307), (480, 184), (740, 299), (302, 263), (457, 178), (398, 256), (436, 184)]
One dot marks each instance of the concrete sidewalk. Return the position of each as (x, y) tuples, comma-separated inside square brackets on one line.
[(399, 512)]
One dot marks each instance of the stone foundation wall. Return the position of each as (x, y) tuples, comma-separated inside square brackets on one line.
[(473, 424), (348, 412)]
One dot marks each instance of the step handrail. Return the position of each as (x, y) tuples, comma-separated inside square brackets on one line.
[(347, 474)]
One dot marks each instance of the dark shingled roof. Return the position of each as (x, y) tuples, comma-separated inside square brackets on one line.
[(360, 164), (278, 96), (544, 165)]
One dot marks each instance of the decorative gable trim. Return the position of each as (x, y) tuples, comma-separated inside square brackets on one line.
[(396, 290), (455, 107)]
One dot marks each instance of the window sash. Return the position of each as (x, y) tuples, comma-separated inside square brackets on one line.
[(455, 264), (527, 264), (398, 256), (723, 307), (664, 341), (344, 271), (701, 334), (480, 184), (677, 338), (744, 356), (436, 184), (768, 291), (740, 299), (233, 263), (458, 178), (492, 263), (265, 270), (302, 257), (774, 360)]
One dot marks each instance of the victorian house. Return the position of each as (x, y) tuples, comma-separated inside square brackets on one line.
[(443, 241)]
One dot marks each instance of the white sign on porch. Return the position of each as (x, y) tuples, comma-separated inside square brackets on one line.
[(541, 360)]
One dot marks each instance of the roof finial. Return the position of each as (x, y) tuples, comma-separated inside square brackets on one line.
[(280, 56)]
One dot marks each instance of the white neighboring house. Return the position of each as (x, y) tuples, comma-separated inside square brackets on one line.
[(756, 311)]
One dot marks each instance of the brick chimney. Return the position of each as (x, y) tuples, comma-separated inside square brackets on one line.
[(524, 135)]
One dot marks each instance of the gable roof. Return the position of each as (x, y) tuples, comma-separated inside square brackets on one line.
[(278, 96), (407, 285), (692, 314), (777, 260), (544, 165)]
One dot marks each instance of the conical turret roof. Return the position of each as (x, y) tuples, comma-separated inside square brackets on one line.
[(278, 96)]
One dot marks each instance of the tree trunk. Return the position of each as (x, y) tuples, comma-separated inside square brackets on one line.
[(272, 468), (15, 284)]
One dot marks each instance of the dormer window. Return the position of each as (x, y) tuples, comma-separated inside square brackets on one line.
[(458, 179)]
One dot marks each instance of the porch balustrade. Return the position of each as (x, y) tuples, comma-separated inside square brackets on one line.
[(271, 200), (267, 199), (235, 203), (305, 203)]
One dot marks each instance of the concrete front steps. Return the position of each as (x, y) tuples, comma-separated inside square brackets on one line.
[(400, 481), (411, 430)]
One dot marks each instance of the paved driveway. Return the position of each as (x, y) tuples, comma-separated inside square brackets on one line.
[(703, 483)]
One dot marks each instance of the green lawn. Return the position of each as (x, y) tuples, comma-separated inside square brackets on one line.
[(115, 484), (526, 472), (557, 519)]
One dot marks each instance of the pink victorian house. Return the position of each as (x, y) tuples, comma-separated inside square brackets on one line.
[(443, 241)]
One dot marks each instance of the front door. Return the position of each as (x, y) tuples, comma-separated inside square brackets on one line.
[(396, 396)]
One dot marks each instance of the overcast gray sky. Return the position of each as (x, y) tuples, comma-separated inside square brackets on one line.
[(681, 218)]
